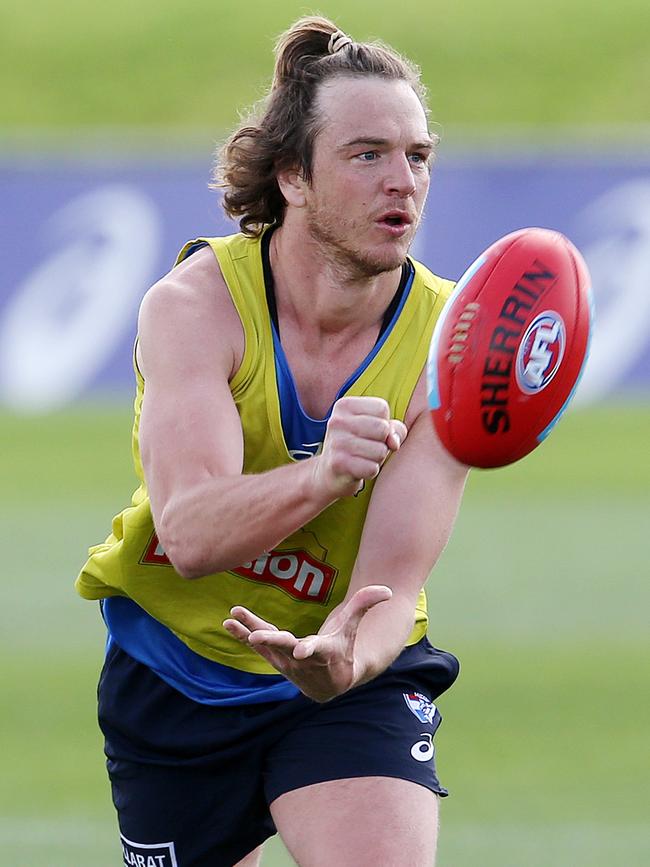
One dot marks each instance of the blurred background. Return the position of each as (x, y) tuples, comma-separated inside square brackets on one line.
[(109, 116)]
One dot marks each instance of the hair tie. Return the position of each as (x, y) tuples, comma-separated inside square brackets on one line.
[(338, 40)]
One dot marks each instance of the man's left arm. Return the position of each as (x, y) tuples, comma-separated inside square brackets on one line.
[(410, 519), (411, 514)]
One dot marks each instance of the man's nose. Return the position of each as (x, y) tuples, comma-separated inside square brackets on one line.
[(399, 178)]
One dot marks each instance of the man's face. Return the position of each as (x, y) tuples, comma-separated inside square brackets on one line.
[(370, 173)]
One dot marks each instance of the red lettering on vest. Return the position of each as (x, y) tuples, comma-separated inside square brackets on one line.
[(296, 572), (154, 554)]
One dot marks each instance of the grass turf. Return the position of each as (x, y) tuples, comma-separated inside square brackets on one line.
[(157, 65), (542, 593)]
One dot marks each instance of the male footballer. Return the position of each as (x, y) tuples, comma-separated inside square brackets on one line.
[(267, 665)]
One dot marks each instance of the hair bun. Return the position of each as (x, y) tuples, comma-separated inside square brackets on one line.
[(338, 40)]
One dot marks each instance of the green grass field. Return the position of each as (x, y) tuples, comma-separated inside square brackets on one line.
[(157, 64), (543, 593)]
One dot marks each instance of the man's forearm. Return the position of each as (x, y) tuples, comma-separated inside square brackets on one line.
[(223, 519), (382, 634), (224, 522)]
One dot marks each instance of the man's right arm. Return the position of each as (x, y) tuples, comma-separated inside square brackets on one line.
[(208, 515)]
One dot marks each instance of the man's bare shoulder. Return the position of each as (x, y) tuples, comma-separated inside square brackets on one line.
[(191, 304), (197, 282)]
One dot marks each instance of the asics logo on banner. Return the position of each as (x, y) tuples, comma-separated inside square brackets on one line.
[(296, 572), (148, 854), (540, 352), (423, 750), (420, 705)]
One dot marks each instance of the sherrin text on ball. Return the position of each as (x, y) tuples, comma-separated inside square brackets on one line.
[(509, 348)]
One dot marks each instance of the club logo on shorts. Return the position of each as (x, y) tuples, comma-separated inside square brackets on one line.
[(540, 352), (420, 705), (148, 854)]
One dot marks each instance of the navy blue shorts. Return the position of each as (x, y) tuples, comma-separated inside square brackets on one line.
[(192, 783)]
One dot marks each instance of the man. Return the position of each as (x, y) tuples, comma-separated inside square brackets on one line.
[(289, 466)]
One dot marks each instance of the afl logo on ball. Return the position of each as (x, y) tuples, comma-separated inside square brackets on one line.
[(540, 352)]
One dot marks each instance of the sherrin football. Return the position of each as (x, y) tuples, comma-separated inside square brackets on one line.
[(509, 348)]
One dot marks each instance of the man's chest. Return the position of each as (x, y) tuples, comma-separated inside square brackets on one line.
[(320, 376)]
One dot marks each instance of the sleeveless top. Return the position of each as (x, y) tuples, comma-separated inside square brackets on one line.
[(296, 585)]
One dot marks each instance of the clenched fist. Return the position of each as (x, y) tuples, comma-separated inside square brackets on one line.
[(360, 435)]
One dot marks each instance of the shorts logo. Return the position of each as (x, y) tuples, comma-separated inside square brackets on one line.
[(540, 352), (423, 750), (420, 705), (148, 854)]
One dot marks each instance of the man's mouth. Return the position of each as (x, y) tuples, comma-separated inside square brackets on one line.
[(395, 218), (396, 222)]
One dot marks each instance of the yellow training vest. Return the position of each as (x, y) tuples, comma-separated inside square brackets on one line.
[(296, 585)]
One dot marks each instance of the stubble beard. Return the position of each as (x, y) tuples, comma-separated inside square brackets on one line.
[(337, 250)]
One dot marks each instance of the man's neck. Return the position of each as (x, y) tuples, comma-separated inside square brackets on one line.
[(314, 289)]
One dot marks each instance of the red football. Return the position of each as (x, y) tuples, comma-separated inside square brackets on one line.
[(509, 348)]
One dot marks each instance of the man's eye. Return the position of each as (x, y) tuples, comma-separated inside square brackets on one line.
[(418, 158), (368, 156)]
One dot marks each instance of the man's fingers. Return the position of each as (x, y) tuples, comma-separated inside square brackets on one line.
[(364, 405), (362, 601), (397, 435), (274, 657), (278, 640), (274, 645), (243, 625), (252, 621), (236, 629), (305, 647)]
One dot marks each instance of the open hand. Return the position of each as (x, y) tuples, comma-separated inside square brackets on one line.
[(322, 666)]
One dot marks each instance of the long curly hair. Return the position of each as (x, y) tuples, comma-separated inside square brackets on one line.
[(280, 133)]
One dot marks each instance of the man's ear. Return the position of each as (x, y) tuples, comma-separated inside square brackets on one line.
[(292, 186)]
